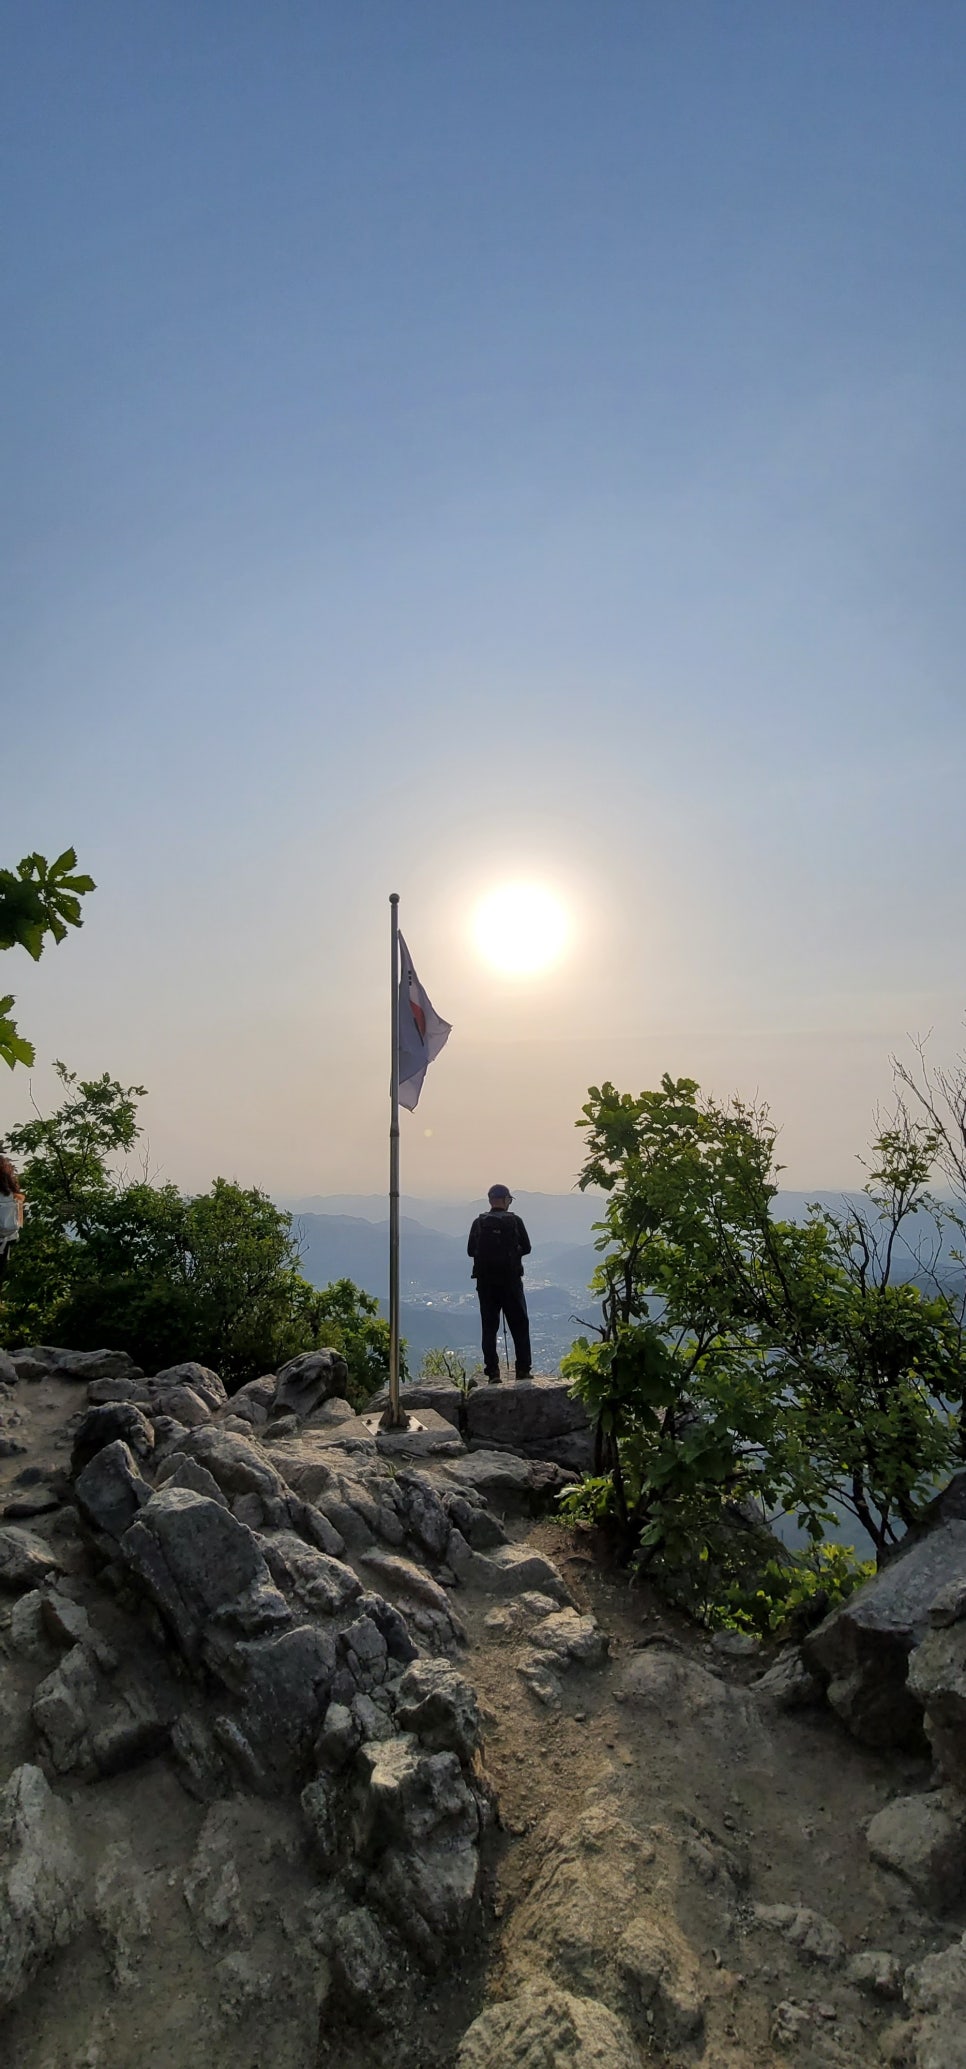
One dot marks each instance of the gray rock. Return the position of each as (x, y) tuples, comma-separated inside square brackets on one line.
[(27, 1632), (283, 1686), (320, 1802), (8, 1371), (440, 1707), (571, 1639), (339, 1738), (41, 1879), (429, 1896), (411, 1797), (507, 1570), (923, 1840), (66, 1622), (807, 1931), (33, 1362), (253, 1401), (442, 1398), (937, 1678), (862, 1650), (309, 1470), (544, 2028), (196, 1563), (936, 1989), (63, 1708), (949, 1606), (212, 1887), (240, 1467), (25, 1559), (736, 1645), (875, 1972), (110, 1491), (101, 1391), (480, 1529), (122, 1912), (179, 1470), (789, 1684), (408, 1583), (199, 1380), (323, 1586), (365, 1971), (116, 1420), (126, 1732), (423, 1514), (87, 1365), (525, 1418), (181, 1404), (498, 1475), (536, 1670), (312, 1377)]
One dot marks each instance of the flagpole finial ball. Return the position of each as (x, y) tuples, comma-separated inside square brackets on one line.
[(394, 897)]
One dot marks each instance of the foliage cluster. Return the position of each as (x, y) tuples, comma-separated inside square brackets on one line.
[(746, 1365), (39, 899), (106, 1259)]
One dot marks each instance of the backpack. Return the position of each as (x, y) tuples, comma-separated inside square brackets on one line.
[(11, 1219), (497, 1247)]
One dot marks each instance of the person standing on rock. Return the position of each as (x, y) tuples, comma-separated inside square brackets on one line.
[(11, 1212), (498, 1244)]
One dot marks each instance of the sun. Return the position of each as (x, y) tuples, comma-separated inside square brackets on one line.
[(521, 929)]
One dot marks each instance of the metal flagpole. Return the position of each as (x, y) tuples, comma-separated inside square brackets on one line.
[(394, 1418)]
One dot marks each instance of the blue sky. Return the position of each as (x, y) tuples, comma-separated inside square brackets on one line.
[(445, 445)]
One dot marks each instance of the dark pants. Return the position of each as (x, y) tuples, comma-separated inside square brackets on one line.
[(506, 1297)]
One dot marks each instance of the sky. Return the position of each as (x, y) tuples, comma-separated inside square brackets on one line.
[(445, 447)]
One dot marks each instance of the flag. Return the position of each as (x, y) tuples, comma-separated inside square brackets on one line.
[(422, 1033)]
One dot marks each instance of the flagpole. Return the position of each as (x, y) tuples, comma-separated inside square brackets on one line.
[(394, 1418)]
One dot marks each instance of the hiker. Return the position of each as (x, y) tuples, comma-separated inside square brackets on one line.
[(498, 1244), (11, 1212)]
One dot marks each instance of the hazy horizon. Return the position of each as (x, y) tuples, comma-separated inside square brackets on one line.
[(450, 447)]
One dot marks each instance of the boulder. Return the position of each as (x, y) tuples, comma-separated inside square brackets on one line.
[(114, 1421), (365, 1971), (180, 1470), (525, 1418), (307, 1380), (923, 1840), (63, 1708), (110, 1491), (8, 1371), (321, 1585), (937, 1679), (812, 1936), (507, 1570), (514, 1483), (435, 1703), (179, 1404), (443, 1398), (253, 1401), (282, 1685), (570, 1639), (25, 1559), (661, 1997), (240, 1467), (789, 1684), (541, 2026), (41, 1879), (203, 1571), (87, 1365), (861, 1652), (198, 1379)]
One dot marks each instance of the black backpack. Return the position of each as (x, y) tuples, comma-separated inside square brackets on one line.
[(497, 1247)]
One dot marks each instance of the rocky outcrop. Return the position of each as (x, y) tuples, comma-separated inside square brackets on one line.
[(862, 1651), (540, 2026)]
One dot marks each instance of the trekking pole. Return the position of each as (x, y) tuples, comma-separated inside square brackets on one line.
[(506, 1347)]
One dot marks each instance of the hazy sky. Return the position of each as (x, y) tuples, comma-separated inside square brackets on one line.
[(446, 445)]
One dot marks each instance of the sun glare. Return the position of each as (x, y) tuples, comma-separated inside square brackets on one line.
[(521, 929)]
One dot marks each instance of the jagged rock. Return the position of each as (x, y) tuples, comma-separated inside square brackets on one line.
[(540, 2027), (322, 1585), (937, 1678), (111, 1491), (923, 1840), (240, 1467), (41, 1879), (936, 1989), (308, 1469), (199, 1380), (178, 1470), (571, 1639), (8, 1371), (406, 1581), (876, 1972), (63, 1707), (425, 1879), (365, 1971), (807, 1931), (339, 1738), (195, 1562), (282, 1686), (507, 1570), (862, 1650), (949, 1606), (536, 1671), (127, 1731), (25, 1559), (66, 1622), (498, 1474), (117, 1420), (28, 1365), (789, 1684), (479, 1527), (312, 1377), (202, 1769), (101, 1391), (28, 1635), (424, 1517), (440, 1707)]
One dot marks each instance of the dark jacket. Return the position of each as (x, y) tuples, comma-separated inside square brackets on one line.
[(518, 1249)]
